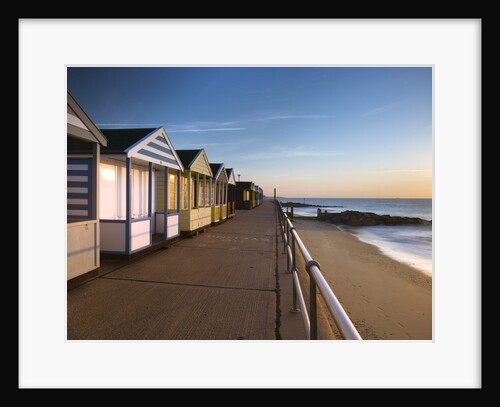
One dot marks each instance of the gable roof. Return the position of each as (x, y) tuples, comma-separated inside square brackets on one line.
[(215, 169), (196, 161), (218, 171), (244, 184), (148, 144), (121, 139), (187, 156), (231, 179), (79, 124)]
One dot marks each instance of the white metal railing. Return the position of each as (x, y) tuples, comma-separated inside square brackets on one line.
[(291, 240)]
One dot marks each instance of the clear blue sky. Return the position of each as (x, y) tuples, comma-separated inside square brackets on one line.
[(309, 132)]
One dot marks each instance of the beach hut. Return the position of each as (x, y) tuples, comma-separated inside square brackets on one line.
[(231, 192), (244, 192), (196, 191), (254, 195), (260, 195), (256, 189), (82, 192), (220, 190), (129, 164)]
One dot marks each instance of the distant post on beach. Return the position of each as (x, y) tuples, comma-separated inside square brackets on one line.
[(275, 194)]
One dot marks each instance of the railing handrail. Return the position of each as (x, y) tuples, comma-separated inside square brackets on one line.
[(340, 317)]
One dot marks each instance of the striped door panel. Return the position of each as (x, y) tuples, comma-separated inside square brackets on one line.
[(79, 183)]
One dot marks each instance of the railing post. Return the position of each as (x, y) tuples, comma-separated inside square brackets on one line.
[(294, 302), (312, 308), (294, 269), (285, 225), (288, 264), (280, 214)]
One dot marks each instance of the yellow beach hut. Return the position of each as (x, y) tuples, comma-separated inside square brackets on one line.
[(254, 195), (196, 191), (220, 191)]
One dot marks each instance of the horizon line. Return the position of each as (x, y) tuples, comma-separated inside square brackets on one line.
[(332, 197)]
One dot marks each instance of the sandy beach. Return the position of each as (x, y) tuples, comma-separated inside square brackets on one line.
[(385, 299)]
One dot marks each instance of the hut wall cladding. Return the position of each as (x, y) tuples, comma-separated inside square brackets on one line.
[(201, 218), (160, 187), (185, 219), (196, 218), (216, 213), (199, 166), (157, 150), (78, 188)]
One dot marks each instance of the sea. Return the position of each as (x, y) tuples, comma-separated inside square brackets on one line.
[(409, 244)]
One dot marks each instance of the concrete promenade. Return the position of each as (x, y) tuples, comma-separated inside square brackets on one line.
[(227, 283)]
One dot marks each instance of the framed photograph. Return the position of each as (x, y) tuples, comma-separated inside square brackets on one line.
[(212, 210)]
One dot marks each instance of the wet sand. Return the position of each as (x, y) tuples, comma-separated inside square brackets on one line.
[(384, 298)]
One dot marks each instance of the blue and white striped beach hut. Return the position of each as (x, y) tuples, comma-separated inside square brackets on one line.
[(82, 192), (130, 220)]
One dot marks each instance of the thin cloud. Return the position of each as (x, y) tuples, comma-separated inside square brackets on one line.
[(202, 145), (199, 130), (204, 126), (294, 116), (380, 109), (235, 125), (211, 126), (278, 152)]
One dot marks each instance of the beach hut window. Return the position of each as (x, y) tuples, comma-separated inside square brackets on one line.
[(208, 198), (172, 192), (246, 195), (112, 204), (211, 192), (139, 192), (194, 193), (108, 188), (121, 192), (202, 193), (184, 188)]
